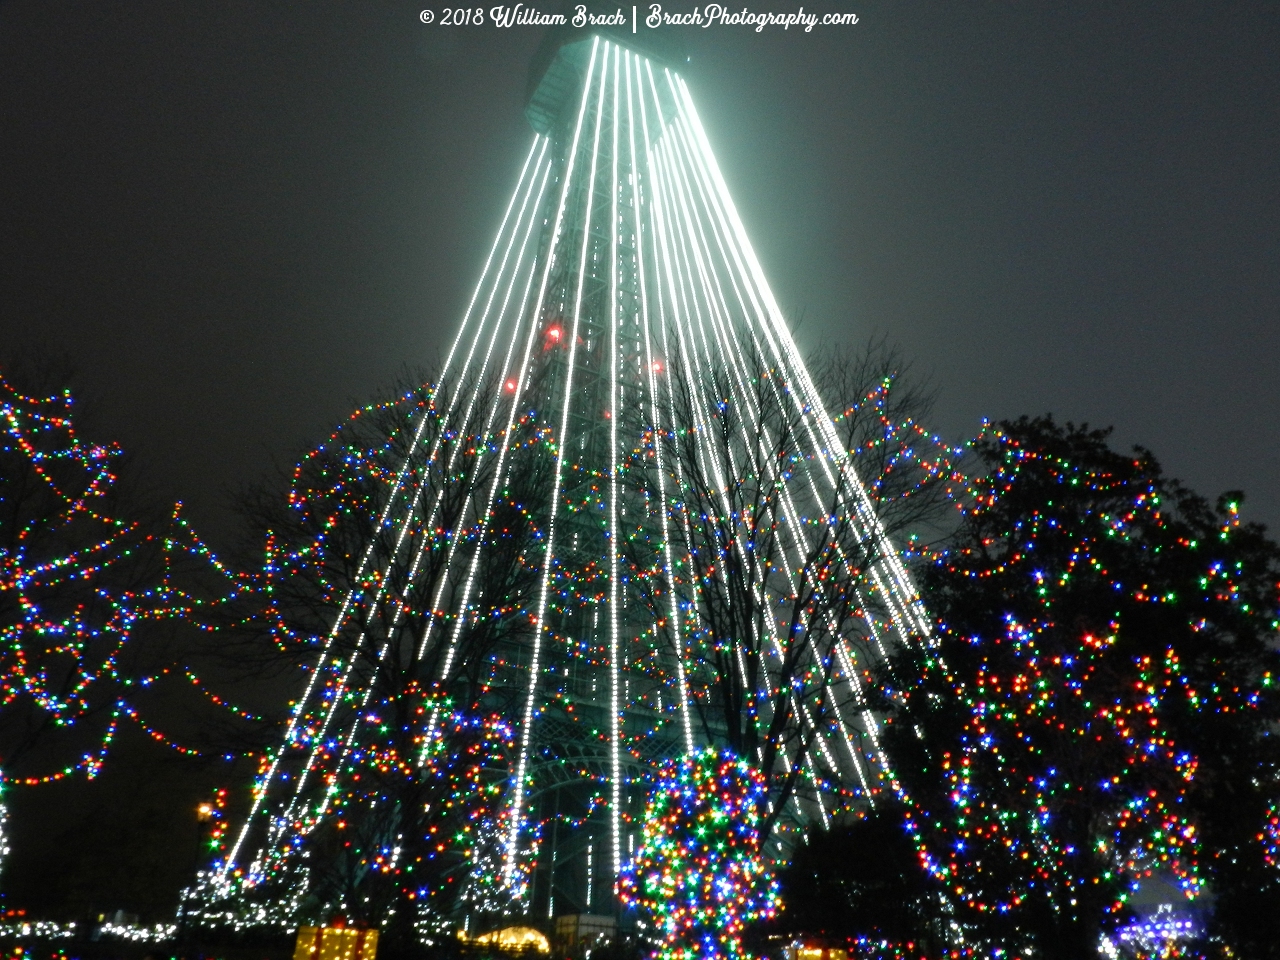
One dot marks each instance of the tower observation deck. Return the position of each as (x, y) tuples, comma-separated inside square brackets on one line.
[(700, 563)]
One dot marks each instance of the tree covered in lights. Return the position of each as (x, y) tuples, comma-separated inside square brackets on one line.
[(94, 596), (100, 595), (397, 790), (412, 838), (698, 876), (1099, 706)]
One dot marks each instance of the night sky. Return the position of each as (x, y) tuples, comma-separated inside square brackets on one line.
[(238, 220)]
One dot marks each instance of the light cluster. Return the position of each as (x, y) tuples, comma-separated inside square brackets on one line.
[(1165, 935), (1270, 836), (698, 876), (65, 618)]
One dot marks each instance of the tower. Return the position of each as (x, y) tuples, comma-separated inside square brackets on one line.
[(658, 539)]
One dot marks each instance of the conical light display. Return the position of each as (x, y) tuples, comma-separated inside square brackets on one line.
[(700, 563)]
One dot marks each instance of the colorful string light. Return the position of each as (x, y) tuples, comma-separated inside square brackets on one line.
[(77, 583)]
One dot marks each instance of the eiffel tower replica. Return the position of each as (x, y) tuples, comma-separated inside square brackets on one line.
[(622, 349)]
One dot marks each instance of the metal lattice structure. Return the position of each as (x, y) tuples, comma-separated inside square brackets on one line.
[(623, 337)]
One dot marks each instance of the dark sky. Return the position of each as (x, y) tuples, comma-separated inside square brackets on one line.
[(239, 218)]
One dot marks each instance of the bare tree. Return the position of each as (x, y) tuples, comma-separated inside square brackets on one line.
[(881, 407), (774, 575)]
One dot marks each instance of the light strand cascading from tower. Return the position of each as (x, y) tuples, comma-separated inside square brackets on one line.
[(623, 340)]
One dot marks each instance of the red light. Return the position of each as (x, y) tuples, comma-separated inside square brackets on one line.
[(511, 386), (657, 366), (553, 333)]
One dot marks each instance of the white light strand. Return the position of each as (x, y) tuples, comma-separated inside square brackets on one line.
[(615, 596), (843, 654), (561, 442), (677, 632), (905, 602), (730, 353), (454, 536)]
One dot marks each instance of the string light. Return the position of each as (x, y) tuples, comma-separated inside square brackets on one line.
[(80, 582)]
